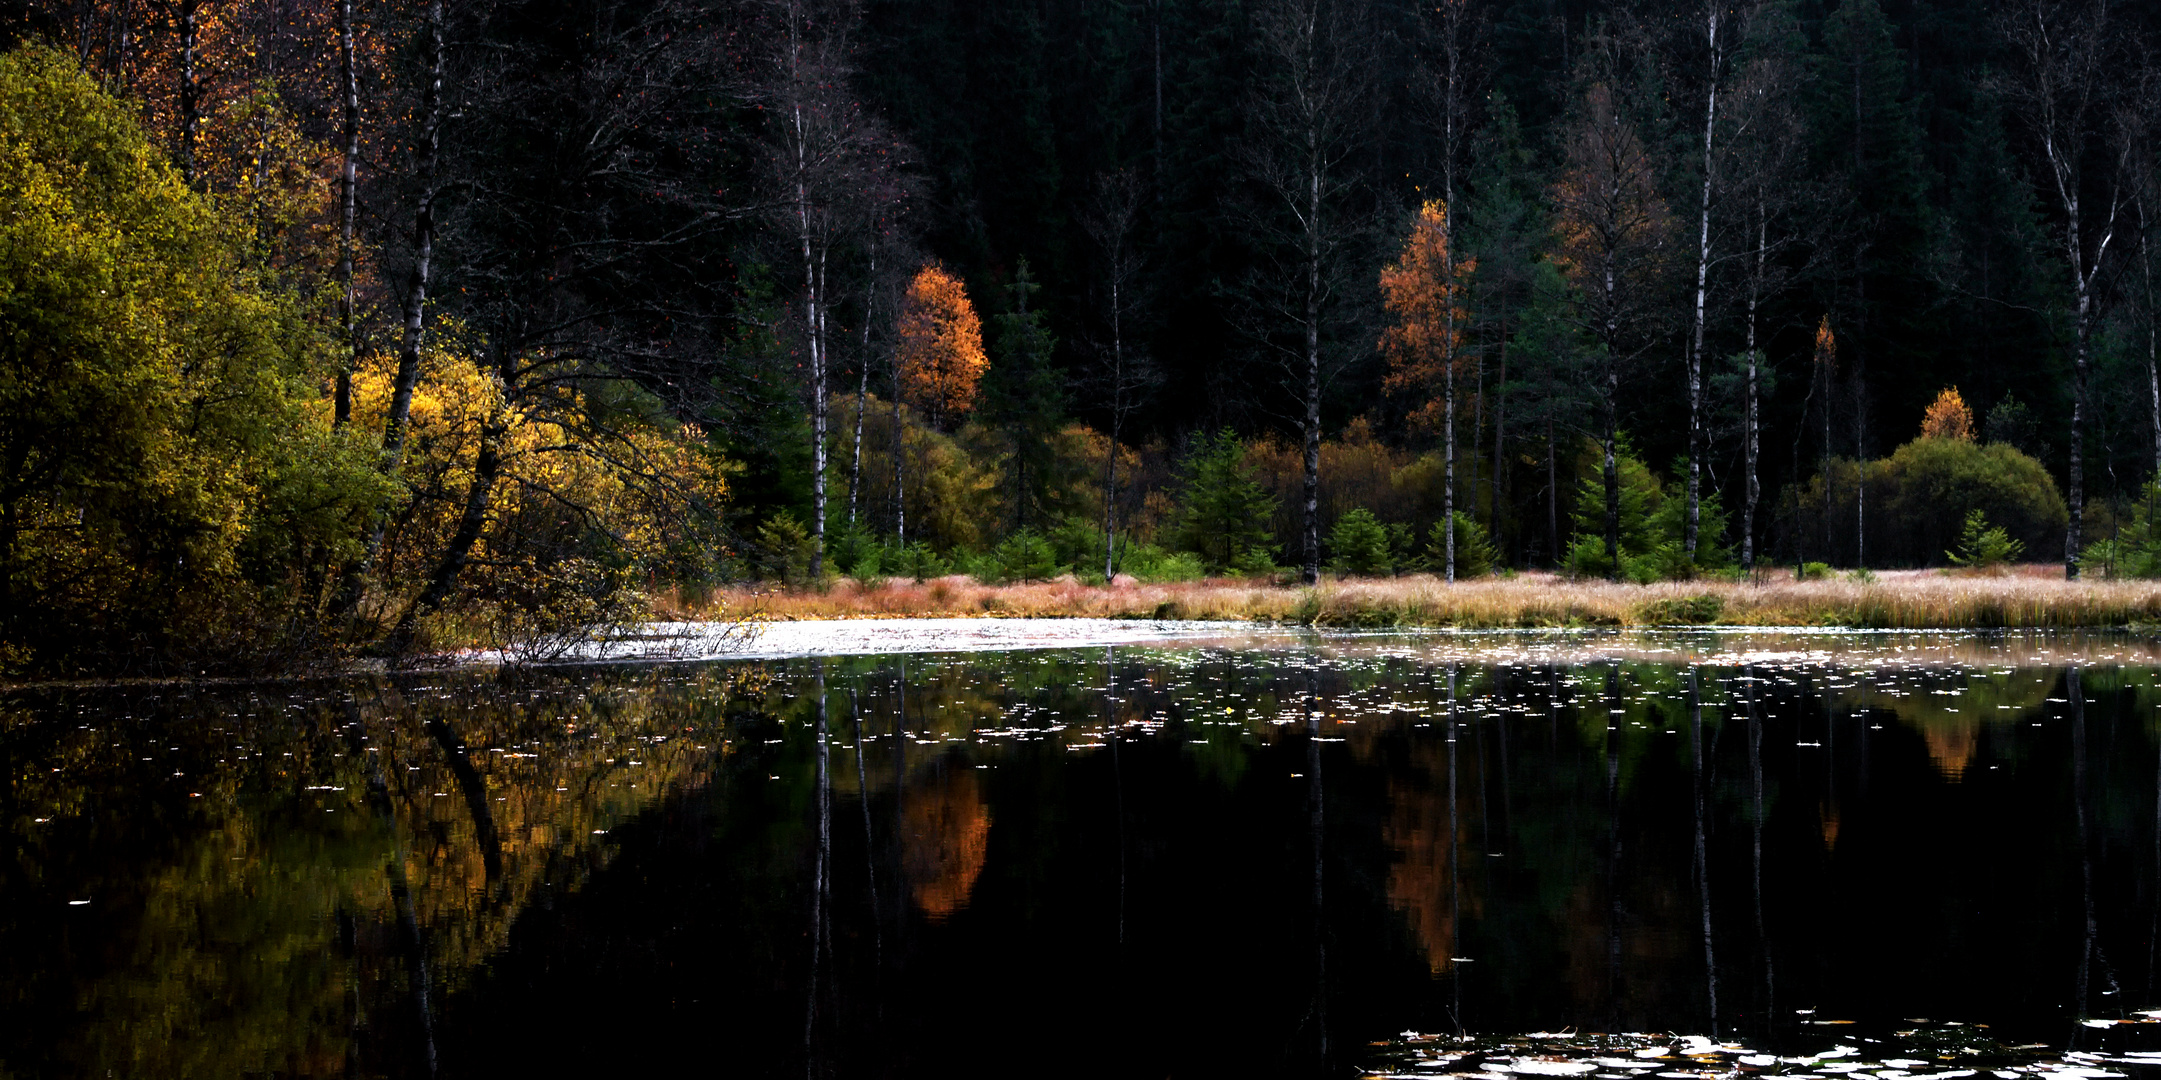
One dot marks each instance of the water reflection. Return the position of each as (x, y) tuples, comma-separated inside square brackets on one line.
[(1140, 861)]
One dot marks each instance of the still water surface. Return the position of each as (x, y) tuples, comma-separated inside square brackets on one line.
[(1681, 855)]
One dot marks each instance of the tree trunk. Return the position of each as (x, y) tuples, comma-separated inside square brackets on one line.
[(1612, 478), (900, 500), (425, 151), (1749, 446), (813, 283), (1312, 496), (1553, 499), (472, 519), (1448, 455), (426, 146), (1703, 275), (348, 213), (862, 385), (1110, 453), (2074, 529), (190, 90), (1500, 423), (2153, 373)]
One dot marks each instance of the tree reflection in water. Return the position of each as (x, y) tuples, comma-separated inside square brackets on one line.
[(1139, 862)]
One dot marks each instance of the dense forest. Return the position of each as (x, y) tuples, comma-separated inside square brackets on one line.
[(392, 324)]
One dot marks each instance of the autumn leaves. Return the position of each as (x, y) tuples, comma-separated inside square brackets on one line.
[(939, 356)]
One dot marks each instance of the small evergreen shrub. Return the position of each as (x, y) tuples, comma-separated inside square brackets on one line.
[(1358, 544), (1982, 546)]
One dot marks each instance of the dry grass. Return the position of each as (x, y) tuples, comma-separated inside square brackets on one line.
[(2024, 597)]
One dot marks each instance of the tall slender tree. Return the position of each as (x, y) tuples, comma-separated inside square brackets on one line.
[(1612, 238), (1124, 374), (2064, 84), (1423, 290), (1311, 87)]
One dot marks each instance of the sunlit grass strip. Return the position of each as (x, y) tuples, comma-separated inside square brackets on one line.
[(1903, 602)]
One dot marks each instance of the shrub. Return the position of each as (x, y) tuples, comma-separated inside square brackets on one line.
[(1223, 510), (1358, 544), (1023, 556), (918, 560), (785, 549), (1475, 554), (1682, 610), (1982, 546), (164, 474), (1653, 527), (1147, 562), (1920, 497)]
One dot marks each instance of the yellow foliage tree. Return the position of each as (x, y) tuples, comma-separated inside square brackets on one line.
[(1948, 418), (940, 354), (574, 521), (1423, 289)]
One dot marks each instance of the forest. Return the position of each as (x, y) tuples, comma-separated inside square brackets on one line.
[(387, 326)]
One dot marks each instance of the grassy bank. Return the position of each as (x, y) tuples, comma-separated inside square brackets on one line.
[(2027, 597)]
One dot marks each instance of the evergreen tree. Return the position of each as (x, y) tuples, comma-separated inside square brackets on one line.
[(1024, 404)]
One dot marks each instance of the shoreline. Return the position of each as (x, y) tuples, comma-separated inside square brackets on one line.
[(2026, 598)]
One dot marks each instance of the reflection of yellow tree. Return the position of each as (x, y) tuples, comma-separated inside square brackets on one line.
[(947, 836), (228, 959)]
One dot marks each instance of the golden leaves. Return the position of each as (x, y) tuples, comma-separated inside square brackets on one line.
[(1948, 417), (940, 354)]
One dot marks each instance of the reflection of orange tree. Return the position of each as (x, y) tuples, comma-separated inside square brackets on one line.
[(947, 835), (1949, 710), (1422, 884)]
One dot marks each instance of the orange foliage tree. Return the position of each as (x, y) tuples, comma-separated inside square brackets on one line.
[(940, 352), (1948, 418), (1423, 289)]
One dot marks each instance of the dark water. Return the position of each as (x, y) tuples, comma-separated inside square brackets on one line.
[(1319, 859)]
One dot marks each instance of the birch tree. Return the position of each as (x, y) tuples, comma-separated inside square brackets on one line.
[(1311, 87), (822, 141), (1714, 22), (1124, 374), (2064, 82)]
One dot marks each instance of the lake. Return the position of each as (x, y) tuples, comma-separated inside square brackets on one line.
[(1672, 854)]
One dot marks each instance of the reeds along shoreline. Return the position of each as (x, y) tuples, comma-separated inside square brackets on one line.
[(1899, 600)]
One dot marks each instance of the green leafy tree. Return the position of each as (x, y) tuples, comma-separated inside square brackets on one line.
[(1929, 486), (161, 465), (1223, 512)]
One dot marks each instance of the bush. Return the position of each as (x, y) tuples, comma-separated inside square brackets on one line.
[(165, 477), (1682, 610), (1023, 556), (1358, 544), (1223, 511), (1475, 554), (1982, 546), (1653, 526), (1150, 563), (1919, 499), (785, 550)]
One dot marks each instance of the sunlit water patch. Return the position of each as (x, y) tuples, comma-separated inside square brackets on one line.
[(1282, 855)]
